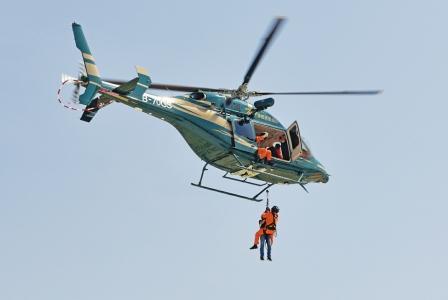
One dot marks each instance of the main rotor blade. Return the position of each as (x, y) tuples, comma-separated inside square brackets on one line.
[(367, 92), (175, 87), (185, 88), (261, 51)]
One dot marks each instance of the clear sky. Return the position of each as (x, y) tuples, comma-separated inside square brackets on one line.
[(105, 210)]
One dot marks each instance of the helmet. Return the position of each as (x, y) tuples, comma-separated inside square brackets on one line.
[(275, 209)]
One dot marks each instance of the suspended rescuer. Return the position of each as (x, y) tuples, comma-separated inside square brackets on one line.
[(268, 230), (262, 223)]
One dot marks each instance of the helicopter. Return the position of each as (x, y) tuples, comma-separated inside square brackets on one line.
[(219, 125)]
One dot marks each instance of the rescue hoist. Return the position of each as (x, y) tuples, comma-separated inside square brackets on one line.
[(267, 198)]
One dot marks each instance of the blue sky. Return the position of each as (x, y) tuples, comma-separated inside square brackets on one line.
[(98, 211)]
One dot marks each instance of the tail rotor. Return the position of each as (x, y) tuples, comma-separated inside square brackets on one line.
[(82, 78)]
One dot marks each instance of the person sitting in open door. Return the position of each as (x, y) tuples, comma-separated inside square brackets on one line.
[(277, 150), (264, 153), (284, 147)]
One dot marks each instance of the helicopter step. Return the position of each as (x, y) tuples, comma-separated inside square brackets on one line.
[(263, 171), (287, 180), (242, 180), (249, 172)]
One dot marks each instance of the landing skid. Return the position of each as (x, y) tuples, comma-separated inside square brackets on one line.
[(253, 198)]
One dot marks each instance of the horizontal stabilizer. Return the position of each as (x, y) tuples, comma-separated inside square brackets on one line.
[(136, 87), (127, 87), (142, 84)]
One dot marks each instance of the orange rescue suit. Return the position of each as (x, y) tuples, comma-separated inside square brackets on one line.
[(271, 223), (263, 152), (260, 232)]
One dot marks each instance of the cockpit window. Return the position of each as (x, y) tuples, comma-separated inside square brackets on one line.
[(198, 96), (306, 152)]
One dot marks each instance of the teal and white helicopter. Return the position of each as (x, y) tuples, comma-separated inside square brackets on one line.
[(219, 125)]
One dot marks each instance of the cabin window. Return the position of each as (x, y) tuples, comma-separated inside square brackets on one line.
[(245, 129)]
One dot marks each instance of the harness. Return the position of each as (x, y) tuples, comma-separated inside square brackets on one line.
[(273, 225), (262, 221)]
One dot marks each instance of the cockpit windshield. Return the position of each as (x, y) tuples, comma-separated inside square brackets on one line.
[(306, 152)]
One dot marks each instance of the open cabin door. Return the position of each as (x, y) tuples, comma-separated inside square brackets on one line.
[(295, 140), (244, 135)]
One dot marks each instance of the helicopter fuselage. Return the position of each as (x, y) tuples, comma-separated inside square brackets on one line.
[(207, 123)]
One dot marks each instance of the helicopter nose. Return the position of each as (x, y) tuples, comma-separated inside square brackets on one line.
[(319, 176), (325, 177)]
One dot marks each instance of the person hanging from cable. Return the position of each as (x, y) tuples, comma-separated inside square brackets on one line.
[(262, 224), (264, 153), (268, 227), (269, 232)]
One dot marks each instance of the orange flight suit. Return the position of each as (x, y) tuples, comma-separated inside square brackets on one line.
[(260, 232), (271, 225), (263, 152)]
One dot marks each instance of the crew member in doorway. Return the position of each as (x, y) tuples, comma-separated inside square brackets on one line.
[(277, 150), (284, 146), (263, 152)]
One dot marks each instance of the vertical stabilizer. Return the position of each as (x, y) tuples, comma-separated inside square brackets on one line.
[(93, 74)]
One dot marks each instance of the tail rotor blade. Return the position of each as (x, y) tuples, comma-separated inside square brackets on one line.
[(75, 95), (65, 77)]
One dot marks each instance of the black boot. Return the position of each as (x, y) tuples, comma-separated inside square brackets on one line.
[(253, 247), (261, 258), (269, 258)]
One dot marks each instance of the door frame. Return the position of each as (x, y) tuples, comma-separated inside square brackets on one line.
[(297, 150)]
